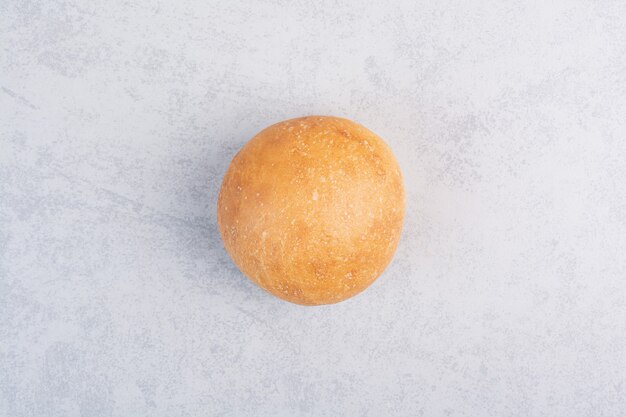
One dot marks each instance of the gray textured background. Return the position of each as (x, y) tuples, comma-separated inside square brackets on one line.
[(507, 296)]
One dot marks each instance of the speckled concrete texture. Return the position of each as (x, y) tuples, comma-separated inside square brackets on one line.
[(507, 296)]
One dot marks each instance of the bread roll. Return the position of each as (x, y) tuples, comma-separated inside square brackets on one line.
[(311, 209)]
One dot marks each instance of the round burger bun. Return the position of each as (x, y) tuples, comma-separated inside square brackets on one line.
[(311, 209)]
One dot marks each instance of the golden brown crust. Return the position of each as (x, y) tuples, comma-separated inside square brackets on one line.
[(311, 209)]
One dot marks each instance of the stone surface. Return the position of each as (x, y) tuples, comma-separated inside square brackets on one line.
[(507, 295)]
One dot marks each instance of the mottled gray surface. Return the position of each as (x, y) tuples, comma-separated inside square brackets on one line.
[(507, 296)]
